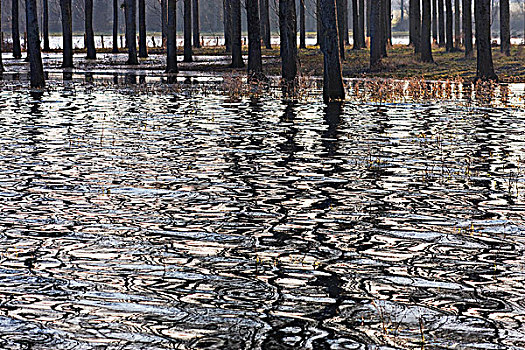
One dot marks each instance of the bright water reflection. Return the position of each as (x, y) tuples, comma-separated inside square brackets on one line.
[(135, 220)]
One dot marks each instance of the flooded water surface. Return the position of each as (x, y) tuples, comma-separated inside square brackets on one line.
[(188, 219)]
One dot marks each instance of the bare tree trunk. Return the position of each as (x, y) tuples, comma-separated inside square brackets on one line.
[(346, 35), (90, 36), (368, 16), (302, 26), (15, 30), (265, 23), (356, 29), (67, 34), (415, 26), (457, 24), (288, 29), (164, 21), (237, 61), (384, 28), (196, 25), (131, 31), (402, 8), (1, 41), (254, 40), (188, 52), (333, 88), (45, 24), (33, 47), (143, 47), (485, 65), (376, 35), (426, 43), (362, 13), (340, 26), (115, 26), (388, 21), (227, 4), (441, 15), (467, 28), (434, 21), (505, 26), (171, 37), (449, 26), (318, 20)]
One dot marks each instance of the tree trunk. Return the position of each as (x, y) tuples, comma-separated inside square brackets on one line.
[(288, 29), (485, 66), (164, 21), (426, 43), (15, 31), (171, 37), (67, 34), (302, 26), (188, 52), (45, 24), (131, 31), (318, 20), (265, 23), (90, 36), (333, 88), (441, 15), (457, 24), (237, 61), (368, 15), (227, 5), (434, 21), (384, 27), (346, 36), (33, 47), (388, 21), (143, 46), (376, 33), (1, 41), (115, 26), (415, 25), (356, 28), (254, 40), (402, 8), (362, 22), (196, 25), (504, 12), (449, 26), (467, 28), (340, 26)]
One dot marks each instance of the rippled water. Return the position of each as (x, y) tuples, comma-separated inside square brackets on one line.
[(139, 220)]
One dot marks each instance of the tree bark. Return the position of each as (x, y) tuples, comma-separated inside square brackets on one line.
[(376, 33), (426, 43), (384, 29), (368, 15), (1, 43), (67, 34), (467, 28), (388, 21), (143, 47), (254, 40), (188, 52), (347, 28), (362, 22), (504, 12), (457, 24), (196, 25), (131, 31), (318, 20), (45, 24), (485, 66), (333, 88), (415, 25), (115, 26), (402, 8), (356, 27), (237, 61), (15, 30), (164, 21), (33, 47), (265, 23), (288, 29), (441, 15), (90, 35), (227, 5), (302, 25), (171, 37), (434, 21), (449, 36), (340, 26)]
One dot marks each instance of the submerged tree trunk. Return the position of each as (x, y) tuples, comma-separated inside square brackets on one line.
[(15, 31), (254, 40), (164, 21), (227, 5), (362, 22), (485, 66), (340, 4), (90, 36), (237, 61), (302, 26), (196, 25), (288, 28), (467, 28), (45, 24), (333, 88), (505, 26), (67, 34), (415, 24), (426, 43), (188, 52), (115, 26), (457, 24), (171, 37), (33, 46), (441, 19), (449, 36), (434, 21), (131, 31), (143, 47), (265, 23), (356, 27), (376, 33)]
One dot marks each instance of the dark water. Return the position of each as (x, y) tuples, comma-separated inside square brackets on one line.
[(144, 220)]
